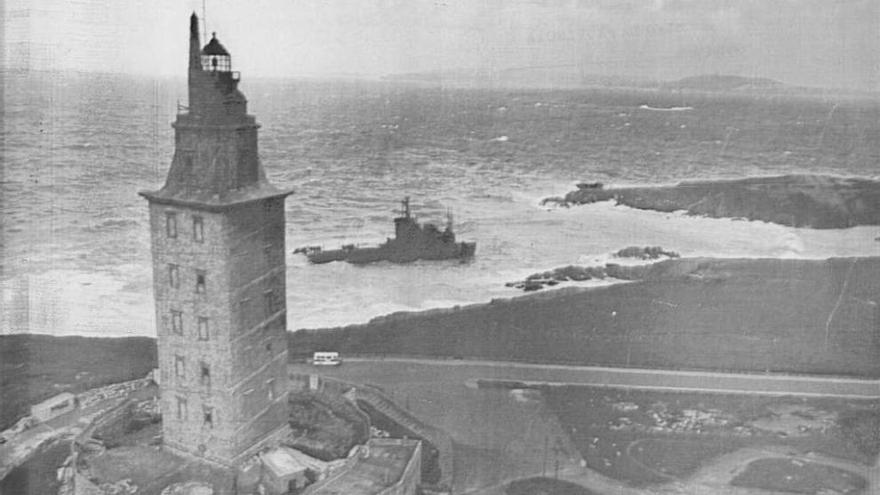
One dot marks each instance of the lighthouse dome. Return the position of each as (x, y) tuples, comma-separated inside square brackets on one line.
[(215, 58)]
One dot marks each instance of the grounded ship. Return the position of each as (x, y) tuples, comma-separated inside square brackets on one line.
[(411, 242)]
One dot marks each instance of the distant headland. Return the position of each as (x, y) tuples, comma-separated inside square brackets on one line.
[(812, 201)]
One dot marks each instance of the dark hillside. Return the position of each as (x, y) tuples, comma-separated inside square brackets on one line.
[(36, 367), (798, 316)]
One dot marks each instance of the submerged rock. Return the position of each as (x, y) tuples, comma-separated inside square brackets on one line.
[(645, 253)]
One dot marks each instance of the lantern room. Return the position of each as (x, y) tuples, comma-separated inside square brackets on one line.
[(215, 58)]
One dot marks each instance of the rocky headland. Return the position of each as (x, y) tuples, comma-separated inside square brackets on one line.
[(813, 201)]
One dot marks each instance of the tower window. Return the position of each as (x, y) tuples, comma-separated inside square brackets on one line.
[(270, 385), (198, 229), (203, 328), (177, 322), (173, 276), (208, 416), (171, 224), (205, 376), (188, 160), (179, 366), (243, 315), (273, 303), (267, 252), (181, 408), (200, 281)]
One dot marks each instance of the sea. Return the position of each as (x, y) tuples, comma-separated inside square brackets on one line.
[(78, 147)]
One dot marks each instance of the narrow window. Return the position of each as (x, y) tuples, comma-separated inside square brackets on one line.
[(205, 374), (270, 384), (273, 302), (188, 160), (198, 229), (181, 408), (268, 299), (200, 281), (203, 328), (173, 276), (177, 322), (179, 366), (171, 224), (208, 416), (243, 315)]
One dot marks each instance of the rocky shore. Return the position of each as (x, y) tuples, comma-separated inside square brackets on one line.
[(813, 201), (573, 273)]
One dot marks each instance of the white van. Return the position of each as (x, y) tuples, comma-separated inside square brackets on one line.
[(326, 359)]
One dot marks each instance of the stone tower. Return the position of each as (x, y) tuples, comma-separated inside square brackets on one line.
[(217, 229)]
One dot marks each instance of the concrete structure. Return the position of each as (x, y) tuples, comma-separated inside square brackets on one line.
[(53, 407), (384, 466), (217, 230), (286, 470)]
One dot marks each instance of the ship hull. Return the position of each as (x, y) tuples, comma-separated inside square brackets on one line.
[(394, 254)]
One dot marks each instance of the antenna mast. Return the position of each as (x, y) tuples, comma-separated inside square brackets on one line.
[(204, 22)]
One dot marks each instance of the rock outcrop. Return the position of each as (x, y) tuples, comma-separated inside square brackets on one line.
[(574, 273), (646, 253)]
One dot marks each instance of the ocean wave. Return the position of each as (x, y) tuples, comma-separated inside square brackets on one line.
[(665, 109), (113, 224)]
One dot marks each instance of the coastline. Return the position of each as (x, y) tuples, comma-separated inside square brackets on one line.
[(812, 317)]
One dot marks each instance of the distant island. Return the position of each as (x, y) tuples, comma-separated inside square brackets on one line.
[(569, 77), (813, 201), (719, 82)]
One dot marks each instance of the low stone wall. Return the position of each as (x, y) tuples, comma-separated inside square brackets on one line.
[(113, 391)]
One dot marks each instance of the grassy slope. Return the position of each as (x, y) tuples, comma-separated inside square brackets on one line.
[(587, 414), (744, 315), (35, 367)]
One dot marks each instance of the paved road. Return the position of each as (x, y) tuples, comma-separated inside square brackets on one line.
[(698, 381)]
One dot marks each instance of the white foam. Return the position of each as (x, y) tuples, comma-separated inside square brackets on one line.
[(668, 109)]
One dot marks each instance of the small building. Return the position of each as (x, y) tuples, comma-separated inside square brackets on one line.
[(286, 470), (54, 407)]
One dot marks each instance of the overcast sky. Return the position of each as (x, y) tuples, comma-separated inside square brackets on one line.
[(829, 43)]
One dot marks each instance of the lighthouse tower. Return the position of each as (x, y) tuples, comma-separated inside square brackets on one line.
[(217, 229)]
